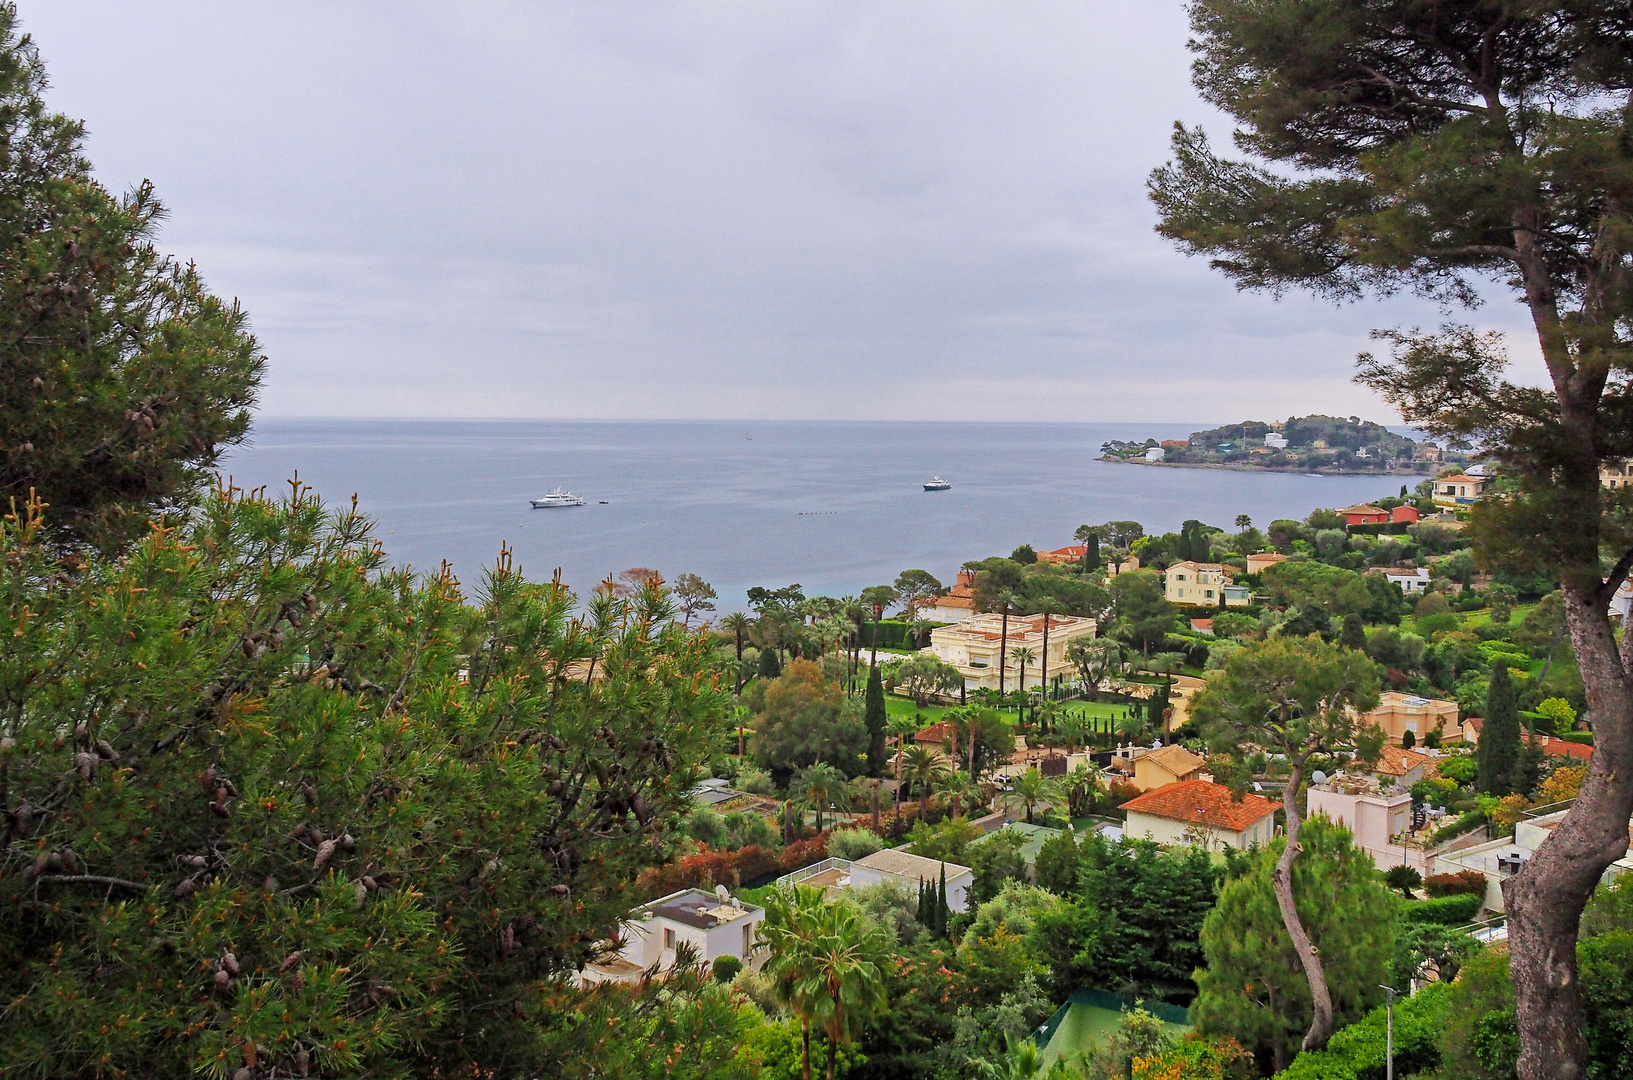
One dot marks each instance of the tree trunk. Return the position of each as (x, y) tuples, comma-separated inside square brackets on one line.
[(805, 1046), (1045, 680), (1321, 1024), (833, 1050), (873, 661), (1545, 899), (1003, 652)]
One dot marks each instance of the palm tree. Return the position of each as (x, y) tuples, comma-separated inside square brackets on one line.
[(924, 767), (877, 597), (1075, 727), (1032, 789), (737, 625), (954, 785), (1132, 725), (1243, 523), (1078, 784), (900, 727), (1022, 657), (1167, 663), (821, 786), (788, 933), (1006, 600), (1048, 606), (1023, 1062), (843, 973), (854, 612)]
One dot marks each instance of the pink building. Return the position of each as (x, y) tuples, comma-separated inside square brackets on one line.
[(1381, 820)]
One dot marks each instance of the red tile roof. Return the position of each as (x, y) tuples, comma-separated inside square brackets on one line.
[(1562, 748), (1197, 801), (1397, 761)]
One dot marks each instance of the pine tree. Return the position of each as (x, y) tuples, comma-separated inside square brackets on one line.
[(122, 379), (1497, 755), (875, 718)]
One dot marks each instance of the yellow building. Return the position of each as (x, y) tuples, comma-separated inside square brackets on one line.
[(1458, 490), (1264, 561), (1398, 713), (1617, 474), (973, 647), (1201, 585), (1169, 765)]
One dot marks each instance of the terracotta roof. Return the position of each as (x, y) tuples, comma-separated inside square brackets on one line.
[(953, 601), (1363, 510), (1398, 762), (1200, 566), (1202, 624), (1176, 759), (1071, 551), (1563, 748), (1460, 479), (936, 733), (1197, 801)]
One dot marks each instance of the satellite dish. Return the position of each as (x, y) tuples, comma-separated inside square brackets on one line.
[(1318, 777), (722, 894)]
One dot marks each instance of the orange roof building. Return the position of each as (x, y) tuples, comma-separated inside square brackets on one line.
[(1200, 812)]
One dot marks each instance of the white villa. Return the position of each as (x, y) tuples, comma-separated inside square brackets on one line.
[(1501, 859), (972, 646), (891, 864), (715, 924)]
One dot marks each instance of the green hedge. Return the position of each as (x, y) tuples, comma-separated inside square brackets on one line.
[(1583, 737), (1445, 910), (1358, 1051)]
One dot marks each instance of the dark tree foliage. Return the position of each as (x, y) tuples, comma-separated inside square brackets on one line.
[(1497, 755), (1433, 147), (122, 379), (271, 806), (874, 719)]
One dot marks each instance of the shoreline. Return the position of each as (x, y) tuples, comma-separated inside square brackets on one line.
[(1232, 467)]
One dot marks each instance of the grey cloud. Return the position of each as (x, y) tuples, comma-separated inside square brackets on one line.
[(845, 209)]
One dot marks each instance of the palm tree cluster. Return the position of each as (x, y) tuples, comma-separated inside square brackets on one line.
[(826, 964)]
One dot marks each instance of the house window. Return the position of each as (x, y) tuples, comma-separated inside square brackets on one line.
[(668, 937), (1208, 594)]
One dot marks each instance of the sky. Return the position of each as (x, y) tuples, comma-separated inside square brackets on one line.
[(822, 210)]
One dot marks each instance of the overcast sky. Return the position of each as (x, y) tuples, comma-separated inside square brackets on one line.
[(838, 210)]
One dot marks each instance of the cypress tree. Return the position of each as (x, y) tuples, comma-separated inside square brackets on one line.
[(1498, 754), (924, 910), (941, 904), (873, 715)]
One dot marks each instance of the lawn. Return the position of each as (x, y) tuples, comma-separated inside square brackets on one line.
[(1083, 1026), (1105, 712)]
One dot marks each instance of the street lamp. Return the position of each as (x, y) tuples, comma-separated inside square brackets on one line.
[(1389, 1032)]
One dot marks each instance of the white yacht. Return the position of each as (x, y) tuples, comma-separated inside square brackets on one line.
[(558, 497), (936, 483)]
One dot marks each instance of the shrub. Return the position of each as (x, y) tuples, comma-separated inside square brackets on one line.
[(1462, 883), (1563, 783), (1446, 910), (1460, 770), (1559, 710), (1469, 820), (1584, 738), (1359, 1050), (726, 967), (730, 868), (853, 843), (1403, 878)]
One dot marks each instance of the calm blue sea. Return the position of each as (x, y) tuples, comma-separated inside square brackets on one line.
[(833, 506)]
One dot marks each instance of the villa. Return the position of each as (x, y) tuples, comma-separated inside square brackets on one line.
[(1410, 581), (1196, 811), (1263, 561), (1501, 859), (1380, 820), (973, 645), (1458, 490), (1169, 765), (956, 604), (891, 864), (1398, 713), (1616, 474), (1365, 515), (1066, 556), (714, 923), (1201, 585)]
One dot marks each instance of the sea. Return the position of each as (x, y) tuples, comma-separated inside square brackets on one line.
[(833, 507)]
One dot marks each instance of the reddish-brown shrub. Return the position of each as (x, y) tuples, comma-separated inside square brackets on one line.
[(1461, 883), (707, 869)]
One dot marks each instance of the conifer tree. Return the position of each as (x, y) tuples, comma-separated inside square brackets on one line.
[(1497, 755), (122, 379), (266, 804), (876, 720)]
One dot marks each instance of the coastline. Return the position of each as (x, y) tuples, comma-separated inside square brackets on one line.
[(1299, 470)]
